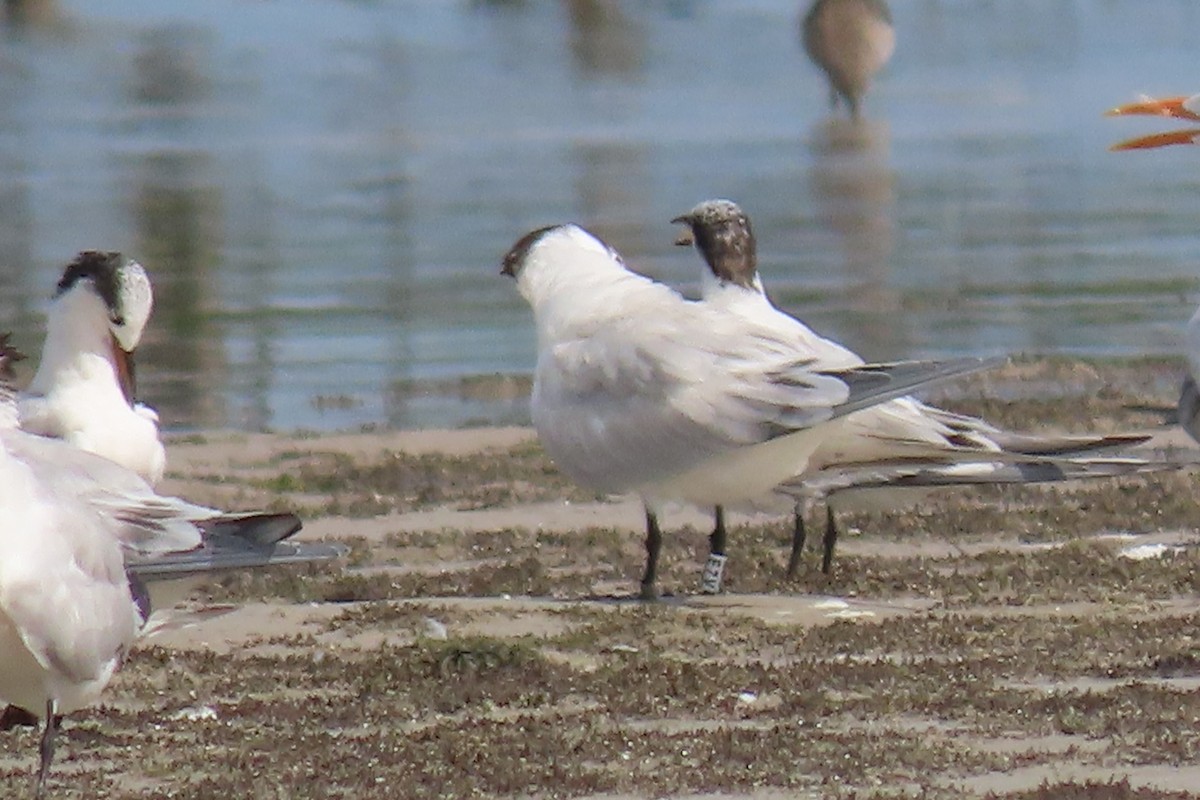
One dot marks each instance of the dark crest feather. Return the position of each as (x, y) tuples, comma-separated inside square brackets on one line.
[(103, 268), (515, 257)]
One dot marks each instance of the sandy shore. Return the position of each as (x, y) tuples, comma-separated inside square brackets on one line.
[(480, 640)]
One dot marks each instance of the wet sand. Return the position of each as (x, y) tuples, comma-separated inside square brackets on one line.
[(481, 639)]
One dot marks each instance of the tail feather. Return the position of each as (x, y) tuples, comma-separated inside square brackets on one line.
[(221, 553), (261, 529), (1047, 471), (1005, 470), (1030, 445), (235, 541)]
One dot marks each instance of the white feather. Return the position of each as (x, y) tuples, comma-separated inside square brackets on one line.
[(76, 394), (637, 389)]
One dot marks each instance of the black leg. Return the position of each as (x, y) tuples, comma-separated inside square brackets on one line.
[(653, 545), (716, 541), (831, 535), (714, 568), (46, 749), (799, 534)]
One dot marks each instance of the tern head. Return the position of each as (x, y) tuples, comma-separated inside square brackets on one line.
[(121, 285), (117, 289), (560, 258), (721, 232), (514, 260)]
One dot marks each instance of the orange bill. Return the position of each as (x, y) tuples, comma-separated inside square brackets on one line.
[(1177, 107), (1159, 140)]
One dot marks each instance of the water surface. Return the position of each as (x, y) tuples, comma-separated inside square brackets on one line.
[(323, 190)]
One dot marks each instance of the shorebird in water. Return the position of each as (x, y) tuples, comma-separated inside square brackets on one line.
[(850, 40)]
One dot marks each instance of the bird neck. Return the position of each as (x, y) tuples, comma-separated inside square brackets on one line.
[(718, 290), (78, 344)]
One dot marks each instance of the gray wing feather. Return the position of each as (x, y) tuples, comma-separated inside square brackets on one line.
[(909, 474), (235, 542), (872, 384), (1066, 445), (230, 553), (149, 526), (261, 529), (148, 522)]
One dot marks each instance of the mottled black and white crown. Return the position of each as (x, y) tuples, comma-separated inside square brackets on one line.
[(121, 284), (721, 232)]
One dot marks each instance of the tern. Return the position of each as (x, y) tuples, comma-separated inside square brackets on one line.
[(82, 538), (84, 389), (638, 390), (900, 443), (850, 40)]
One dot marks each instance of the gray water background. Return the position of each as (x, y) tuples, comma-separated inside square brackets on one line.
[(323, 190)]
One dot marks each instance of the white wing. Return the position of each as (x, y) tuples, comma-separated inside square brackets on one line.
[(638, 397), (148, 522), (63, 591)]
